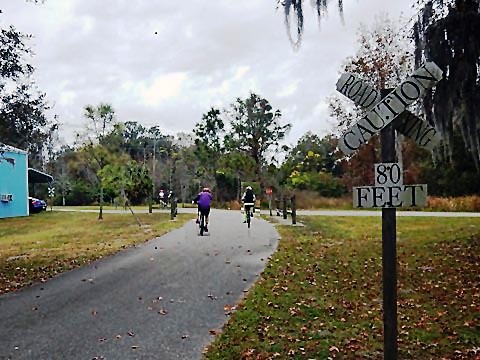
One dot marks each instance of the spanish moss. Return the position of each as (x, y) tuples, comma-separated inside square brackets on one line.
[(447, 33), (293, 9)]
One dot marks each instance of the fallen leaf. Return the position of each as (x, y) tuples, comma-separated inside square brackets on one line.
[(333, 348)]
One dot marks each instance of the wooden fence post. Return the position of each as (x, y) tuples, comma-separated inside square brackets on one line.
[(294, 209)]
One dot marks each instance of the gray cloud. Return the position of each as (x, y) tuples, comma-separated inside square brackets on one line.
[(165, 63)]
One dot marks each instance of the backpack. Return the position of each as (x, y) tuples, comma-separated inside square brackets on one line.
[(248, 196)]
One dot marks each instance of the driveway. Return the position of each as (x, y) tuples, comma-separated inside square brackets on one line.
[(161, 300)]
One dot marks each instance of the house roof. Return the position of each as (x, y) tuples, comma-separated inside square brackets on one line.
[(5, 147), (35, 177)]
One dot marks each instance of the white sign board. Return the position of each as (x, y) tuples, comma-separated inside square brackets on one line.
[(389, 191), (361, 93), (357, 90), (388, 174), (417, 129), (389, 197), (390, 107)]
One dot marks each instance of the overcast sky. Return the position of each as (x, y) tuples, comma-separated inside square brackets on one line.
[(166, 63)]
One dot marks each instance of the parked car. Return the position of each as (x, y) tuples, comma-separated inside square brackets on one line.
[(36, 205)]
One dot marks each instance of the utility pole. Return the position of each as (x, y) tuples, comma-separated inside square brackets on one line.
[(154, 160), (152, 196)]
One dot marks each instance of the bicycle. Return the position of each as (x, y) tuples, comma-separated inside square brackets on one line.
[(201, 224), (248, 208)]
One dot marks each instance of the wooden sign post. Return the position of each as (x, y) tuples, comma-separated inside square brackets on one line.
[(386, 112), (269, 192)]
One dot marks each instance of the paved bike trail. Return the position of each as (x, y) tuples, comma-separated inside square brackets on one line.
[(158, 300)]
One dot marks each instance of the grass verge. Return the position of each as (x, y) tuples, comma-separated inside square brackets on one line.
[(38, 247), (320, 295)]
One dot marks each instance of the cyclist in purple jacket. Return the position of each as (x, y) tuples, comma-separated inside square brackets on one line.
[(203, 201)]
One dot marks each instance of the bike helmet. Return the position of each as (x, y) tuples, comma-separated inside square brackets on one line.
[(206, 189), (249, 188)]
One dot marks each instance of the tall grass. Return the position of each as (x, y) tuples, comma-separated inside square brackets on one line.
[(311, 200), (307, 199), (463, 203)]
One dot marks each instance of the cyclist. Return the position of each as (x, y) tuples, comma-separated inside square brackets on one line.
[(162, 198), (248, 199), (203, 201)]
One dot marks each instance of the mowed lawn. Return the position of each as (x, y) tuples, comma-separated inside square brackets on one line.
[(40, 246), (320, 296)]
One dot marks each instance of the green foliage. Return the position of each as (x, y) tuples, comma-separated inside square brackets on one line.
[(133, 179), (23, 122), (102, 118), (232, 167), (256, 187), (310, 165), (81, 193), (453, 175), (227, 186), (255, 128), (323, 183), (208, 143)]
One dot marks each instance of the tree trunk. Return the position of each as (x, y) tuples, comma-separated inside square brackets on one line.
[(100, 214)]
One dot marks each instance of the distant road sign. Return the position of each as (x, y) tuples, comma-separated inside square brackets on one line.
[(389, 108)]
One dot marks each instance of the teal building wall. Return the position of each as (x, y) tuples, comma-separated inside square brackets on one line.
[(13, 183)]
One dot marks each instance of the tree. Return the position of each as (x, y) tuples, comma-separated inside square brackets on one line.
[(446, 32), (232, 167), (96, 154), (382, 59), (131, 179), (102, 118), (323, 148), (310, 165), (255, 129), (23, 122), (208, 141)]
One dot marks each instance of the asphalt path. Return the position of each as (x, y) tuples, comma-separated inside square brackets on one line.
[(310, 212), (160, 300)]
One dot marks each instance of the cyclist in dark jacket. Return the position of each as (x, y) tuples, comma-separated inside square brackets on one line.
[(248, 199), (203, 200)]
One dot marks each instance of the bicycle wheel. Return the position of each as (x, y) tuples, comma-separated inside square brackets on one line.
[(248, 218)]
